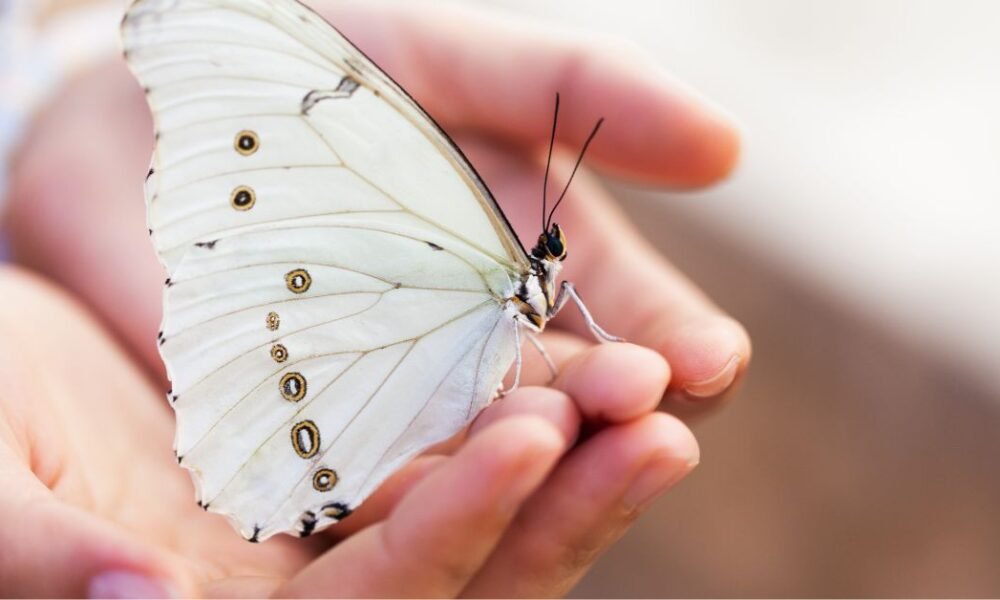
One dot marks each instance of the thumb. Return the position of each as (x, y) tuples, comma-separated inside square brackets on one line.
[(51, 549)]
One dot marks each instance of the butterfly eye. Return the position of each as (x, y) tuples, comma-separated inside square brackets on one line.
[(555, 243), (554, 247)]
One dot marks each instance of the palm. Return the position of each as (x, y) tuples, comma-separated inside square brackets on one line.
[(110, 458)]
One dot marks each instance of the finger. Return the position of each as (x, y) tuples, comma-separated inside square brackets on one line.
[(473, 68), (688, 407), (585, 506), (555, 407), (380, 504), (561, 346), (631, 290), (615, 383), (445, 529), (707, 349)]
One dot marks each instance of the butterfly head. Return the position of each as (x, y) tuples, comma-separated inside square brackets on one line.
[(551, 245)]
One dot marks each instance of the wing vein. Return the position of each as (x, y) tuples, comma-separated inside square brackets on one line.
[(278, 302), (175, 188), (437, 388), (259, 346)]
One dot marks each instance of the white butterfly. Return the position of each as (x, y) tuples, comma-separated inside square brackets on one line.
[(343, 289)]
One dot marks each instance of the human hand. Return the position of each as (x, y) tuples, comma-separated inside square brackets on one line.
[(93, 502), (661, 136)]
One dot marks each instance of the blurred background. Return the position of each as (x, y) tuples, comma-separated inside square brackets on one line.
[(858, 243)]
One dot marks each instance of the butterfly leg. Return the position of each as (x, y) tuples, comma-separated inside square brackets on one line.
[(568, 292), (517, 362), (537, 343)]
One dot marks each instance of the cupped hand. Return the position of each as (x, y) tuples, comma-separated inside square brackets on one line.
[(520, 507), (93, 502)]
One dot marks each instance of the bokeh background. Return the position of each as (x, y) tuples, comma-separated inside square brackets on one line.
[(859, 244)]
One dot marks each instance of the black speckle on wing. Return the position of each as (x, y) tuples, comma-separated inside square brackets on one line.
[(308, 524)]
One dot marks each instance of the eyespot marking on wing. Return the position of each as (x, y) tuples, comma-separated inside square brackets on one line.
[(279, 353), (247, 142), (293, 386), (324, 480), (305, 439), (298, 281), (243, 198)]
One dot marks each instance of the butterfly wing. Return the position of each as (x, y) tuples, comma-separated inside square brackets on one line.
[(338, 271)]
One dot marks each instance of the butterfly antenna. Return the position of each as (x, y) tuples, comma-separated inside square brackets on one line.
[(579, 160), (548, 163)]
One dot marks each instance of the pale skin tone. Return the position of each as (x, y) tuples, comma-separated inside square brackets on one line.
[(520, 506)]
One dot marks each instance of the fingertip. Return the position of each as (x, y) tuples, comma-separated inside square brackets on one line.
[(707, 355), (714, 145), (554, 406), (675, 439), (382, 502), (616, 382), (666, 133), (527, 448), (673, 454), (537, 436), (520, 448)]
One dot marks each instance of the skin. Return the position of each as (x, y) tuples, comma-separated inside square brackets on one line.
[(521, 504)]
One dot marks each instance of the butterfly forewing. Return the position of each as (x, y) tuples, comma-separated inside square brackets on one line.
[(338, 274)]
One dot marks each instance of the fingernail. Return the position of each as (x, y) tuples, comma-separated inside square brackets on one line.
[(126, 584), (716, 384), (656, 478)]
